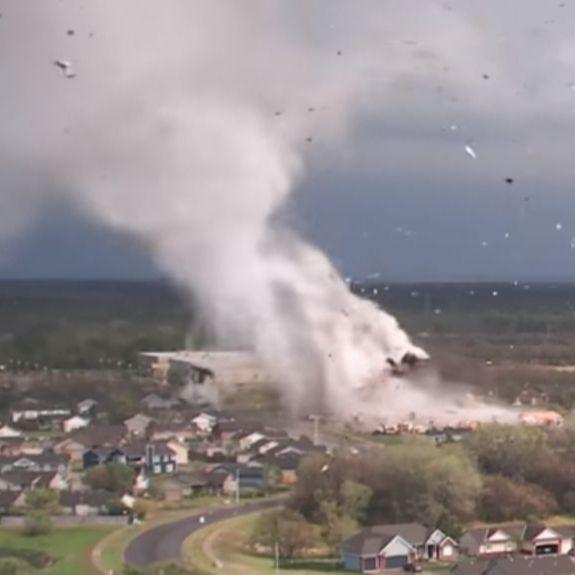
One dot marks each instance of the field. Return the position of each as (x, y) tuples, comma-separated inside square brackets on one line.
[(71, 547), (497, 337)]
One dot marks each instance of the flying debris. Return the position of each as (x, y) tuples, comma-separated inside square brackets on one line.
[(559, 227), (470, 152), (309, 139), (278, 113), (325, 468), (509, 180), (453, 127), (71, 32), (311, 109), (507, 235), (339, 52), (494, 293), (486, 76), (483, 244), (66, 68)]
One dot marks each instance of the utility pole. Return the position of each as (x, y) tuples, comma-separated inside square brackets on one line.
[(316, 419), (277, 556), (238, 485)]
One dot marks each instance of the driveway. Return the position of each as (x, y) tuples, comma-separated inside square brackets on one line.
[(164, 543)]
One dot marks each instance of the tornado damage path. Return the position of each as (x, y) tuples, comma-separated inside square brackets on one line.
[(164, 543)]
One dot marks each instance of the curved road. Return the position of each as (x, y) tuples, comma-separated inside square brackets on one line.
[(164, 543)]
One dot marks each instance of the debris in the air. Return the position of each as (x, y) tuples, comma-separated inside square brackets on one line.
[(526, 199), (339, 52), (559, 227), (437, 311), (509, 180), (453, 127), (494, 293), (66, 68), (325, 468), (470, 152), (309, 139), (471, 292), (507, 235), (572, 243), (375, 291), (483, 244), (71, 32), (486, 76), (278, 113), (311, 109)]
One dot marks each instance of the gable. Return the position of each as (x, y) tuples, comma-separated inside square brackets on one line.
[(397, 546), (497, 536), (435, 537), (547, 533)]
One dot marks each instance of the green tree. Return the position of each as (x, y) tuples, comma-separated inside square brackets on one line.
[(45, 500), (355, 499), (37, 523)]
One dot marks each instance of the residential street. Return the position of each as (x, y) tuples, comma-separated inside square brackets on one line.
[(164, 543)]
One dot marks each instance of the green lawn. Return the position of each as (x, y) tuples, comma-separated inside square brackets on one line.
[(72, 547), (227, 539)]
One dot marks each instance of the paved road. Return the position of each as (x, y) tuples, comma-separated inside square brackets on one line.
[(164, 543)]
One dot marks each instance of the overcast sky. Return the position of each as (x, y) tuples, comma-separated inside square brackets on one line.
[(395, 192)]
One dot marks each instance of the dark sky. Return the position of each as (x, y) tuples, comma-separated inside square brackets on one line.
[(398, 195)]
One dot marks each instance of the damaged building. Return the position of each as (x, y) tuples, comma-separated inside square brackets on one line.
[(205, 376)]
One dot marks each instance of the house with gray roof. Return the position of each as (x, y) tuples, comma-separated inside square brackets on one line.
[(528, 538), (385, 547), (518, 565)]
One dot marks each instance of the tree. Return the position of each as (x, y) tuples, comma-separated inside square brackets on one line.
[(113, 477), (37, 523), (504, 499), (45, 500), (355, 499), (287, 529)]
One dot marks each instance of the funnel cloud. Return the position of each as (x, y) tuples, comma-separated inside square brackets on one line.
[(187, 125)]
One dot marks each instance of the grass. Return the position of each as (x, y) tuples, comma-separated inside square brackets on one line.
[(71, 547), (227, 540), (111, 550)]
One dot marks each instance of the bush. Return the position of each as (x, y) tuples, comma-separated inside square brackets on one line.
[(505, 500), (37, 523), (14, 566)]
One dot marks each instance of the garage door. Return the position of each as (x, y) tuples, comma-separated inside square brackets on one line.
[(396, 562), (548, 549)]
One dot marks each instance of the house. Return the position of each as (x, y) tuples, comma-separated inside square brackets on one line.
[(179, 431), (7, 501), (179, 451), (74, 423), (538, 539), (11, 446), (370, 551), (86, 407), (541, 418), (23, 480), (159, 459), (250, 478), (72, 448), (84, 503), (205, 422), (518, 565), (394, 546), (32, 410), (153, 401), (45, 461), (138, 424), (7, 432), (490, 541), (249, 439)]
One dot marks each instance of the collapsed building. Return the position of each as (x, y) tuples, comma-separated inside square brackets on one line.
[(205, 376)]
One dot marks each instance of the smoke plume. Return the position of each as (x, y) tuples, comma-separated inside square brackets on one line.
[(187, 124)]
